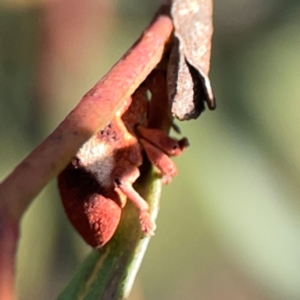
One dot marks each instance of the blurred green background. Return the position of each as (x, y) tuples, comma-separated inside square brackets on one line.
[(229, 225)]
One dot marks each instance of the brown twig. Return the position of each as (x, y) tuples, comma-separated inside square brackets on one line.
[(93, 113)]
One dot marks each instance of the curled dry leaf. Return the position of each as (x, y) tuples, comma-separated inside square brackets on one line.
[(188, 82)]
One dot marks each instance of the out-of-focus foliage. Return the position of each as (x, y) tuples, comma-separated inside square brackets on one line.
[(229, 223), (20, 4)]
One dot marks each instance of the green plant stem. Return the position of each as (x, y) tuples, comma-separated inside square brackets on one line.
[(109, 273)]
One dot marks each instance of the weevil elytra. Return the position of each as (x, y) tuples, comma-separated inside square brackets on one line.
[(96, 184)]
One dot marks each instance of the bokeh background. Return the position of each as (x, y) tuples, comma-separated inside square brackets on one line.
[(229, 225)]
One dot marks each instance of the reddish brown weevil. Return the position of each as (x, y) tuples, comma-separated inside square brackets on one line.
[(95, 185), (98, 181)]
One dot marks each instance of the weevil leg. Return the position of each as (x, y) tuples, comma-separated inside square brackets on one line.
[(124, 182), (165, 143), (160, 160)]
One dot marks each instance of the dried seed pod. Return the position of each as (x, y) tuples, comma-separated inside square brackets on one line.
[(188, 82)]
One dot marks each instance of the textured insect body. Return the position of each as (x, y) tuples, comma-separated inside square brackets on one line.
[(188, 83), (97, 183)]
